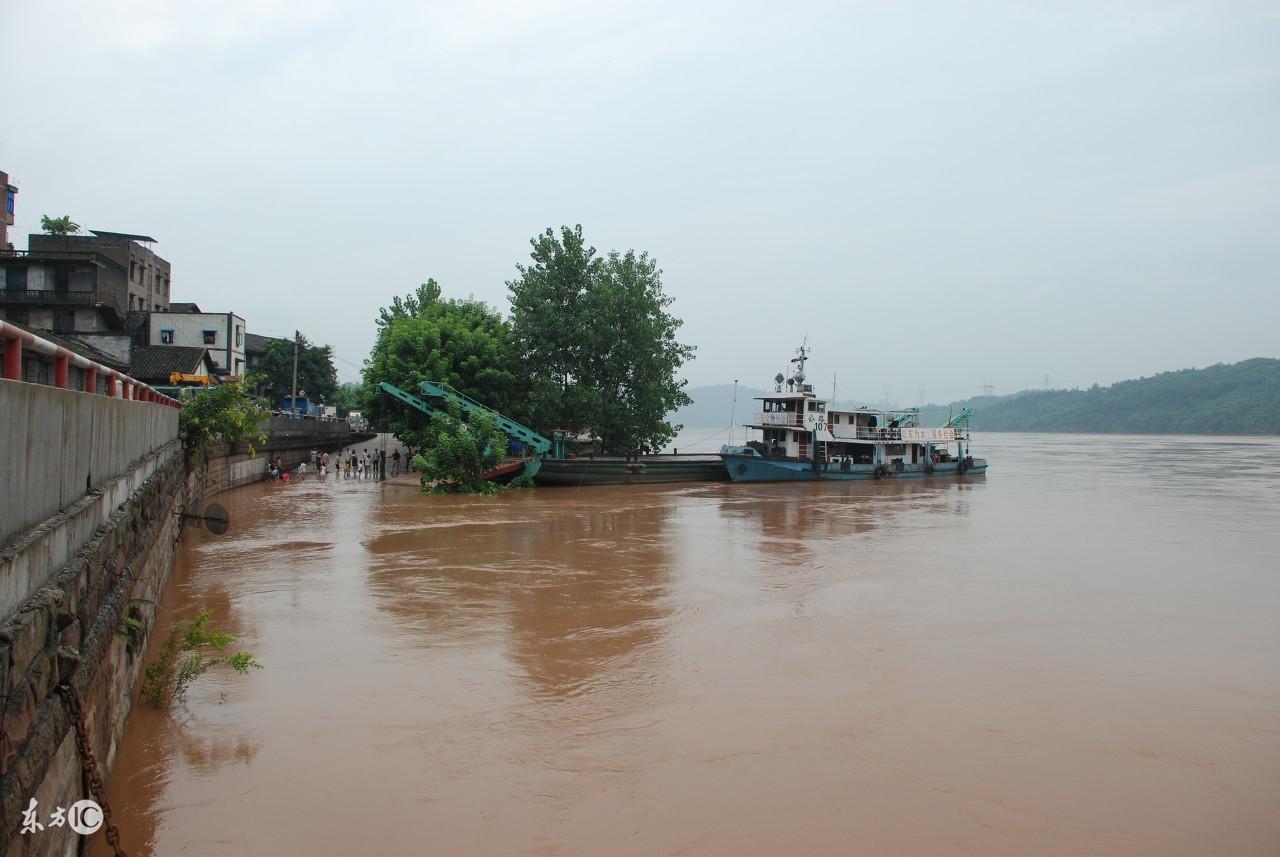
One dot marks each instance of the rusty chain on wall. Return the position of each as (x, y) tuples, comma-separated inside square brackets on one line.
[(89, 767)]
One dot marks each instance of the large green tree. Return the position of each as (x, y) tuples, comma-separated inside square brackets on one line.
[(634, 356), (423, 337), (317, 375), (548, 327), (596, 343)]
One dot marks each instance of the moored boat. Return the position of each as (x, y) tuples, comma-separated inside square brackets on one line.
[(626, 470), (802, 438)]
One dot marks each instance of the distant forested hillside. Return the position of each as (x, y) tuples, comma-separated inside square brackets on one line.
[(1240, 398)]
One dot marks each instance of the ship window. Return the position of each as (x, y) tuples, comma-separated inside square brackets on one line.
[(835, 419), (210, 336), (166, 336)]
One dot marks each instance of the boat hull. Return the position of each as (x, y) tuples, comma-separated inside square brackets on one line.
[(607, 470), (753, 468)]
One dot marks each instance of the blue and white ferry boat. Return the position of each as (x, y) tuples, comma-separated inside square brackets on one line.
[(802, 438)]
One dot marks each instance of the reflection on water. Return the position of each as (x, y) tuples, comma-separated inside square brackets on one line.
[(577, 593), (1072, 655)]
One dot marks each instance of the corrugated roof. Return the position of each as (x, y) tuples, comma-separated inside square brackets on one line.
[(81, 348), (154, 363), (183, 306), (102, 233), (256, 343)]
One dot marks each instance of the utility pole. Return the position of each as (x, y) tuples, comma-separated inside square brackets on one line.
[(293, 391)]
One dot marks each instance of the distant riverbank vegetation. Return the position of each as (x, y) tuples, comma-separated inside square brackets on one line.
[(588, 347), (1238, 398)]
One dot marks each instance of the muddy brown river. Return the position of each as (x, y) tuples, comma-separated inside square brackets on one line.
[(1078, 654)]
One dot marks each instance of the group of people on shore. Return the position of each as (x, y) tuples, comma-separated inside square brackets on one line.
[(348, 464)]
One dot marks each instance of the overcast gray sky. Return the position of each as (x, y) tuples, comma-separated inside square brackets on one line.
[(936, 194)]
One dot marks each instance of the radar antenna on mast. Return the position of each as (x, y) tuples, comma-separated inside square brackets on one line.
[(802, 354)]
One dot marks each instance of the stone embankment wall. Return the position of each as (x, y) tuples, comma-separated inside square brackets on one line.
[(67, 582), (290, 440)]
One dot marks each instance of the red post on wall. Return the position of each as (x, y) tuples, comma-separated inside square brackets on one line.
[(60, 371), (91, 379), (13, 359)]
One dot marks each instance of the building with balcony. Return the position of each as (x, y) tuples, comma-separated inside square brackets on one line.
[(147, 277), (82, 287)]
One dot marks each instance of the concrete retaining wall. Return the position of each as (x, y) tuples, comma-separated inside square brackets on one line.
[(81, 569), (66, 632), (58, 445)]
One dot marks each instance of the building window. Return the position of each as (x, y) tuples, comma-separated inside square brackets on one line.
[(239, 336), (8, 201), (133, 271), (15, 279), (17, 314), (64, 321), (210, 336), (166, 336)]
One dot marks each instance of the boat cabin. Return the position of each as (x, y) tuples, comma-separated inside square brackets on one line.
[(793, 419)]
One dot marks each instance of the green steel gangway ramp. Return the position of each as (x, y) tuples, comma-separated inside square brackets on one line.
[(439, 390), (409, 399)]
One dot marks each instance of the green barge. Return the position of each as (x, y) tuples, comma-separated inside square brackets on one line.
[(548, 464)]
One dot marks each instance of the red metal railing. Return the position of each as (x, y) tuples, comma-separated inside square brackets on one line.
[(119, 385)]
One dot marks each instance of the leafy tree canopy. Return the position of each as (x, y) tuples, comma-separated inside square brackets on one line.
[(599, 348), (63, 225), (222, 413), (422, 337), (458, 452), (317, 376)]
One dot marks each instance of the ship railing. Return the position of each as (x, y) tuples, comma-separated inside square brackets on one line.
[(885, 434), (864, 433)]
